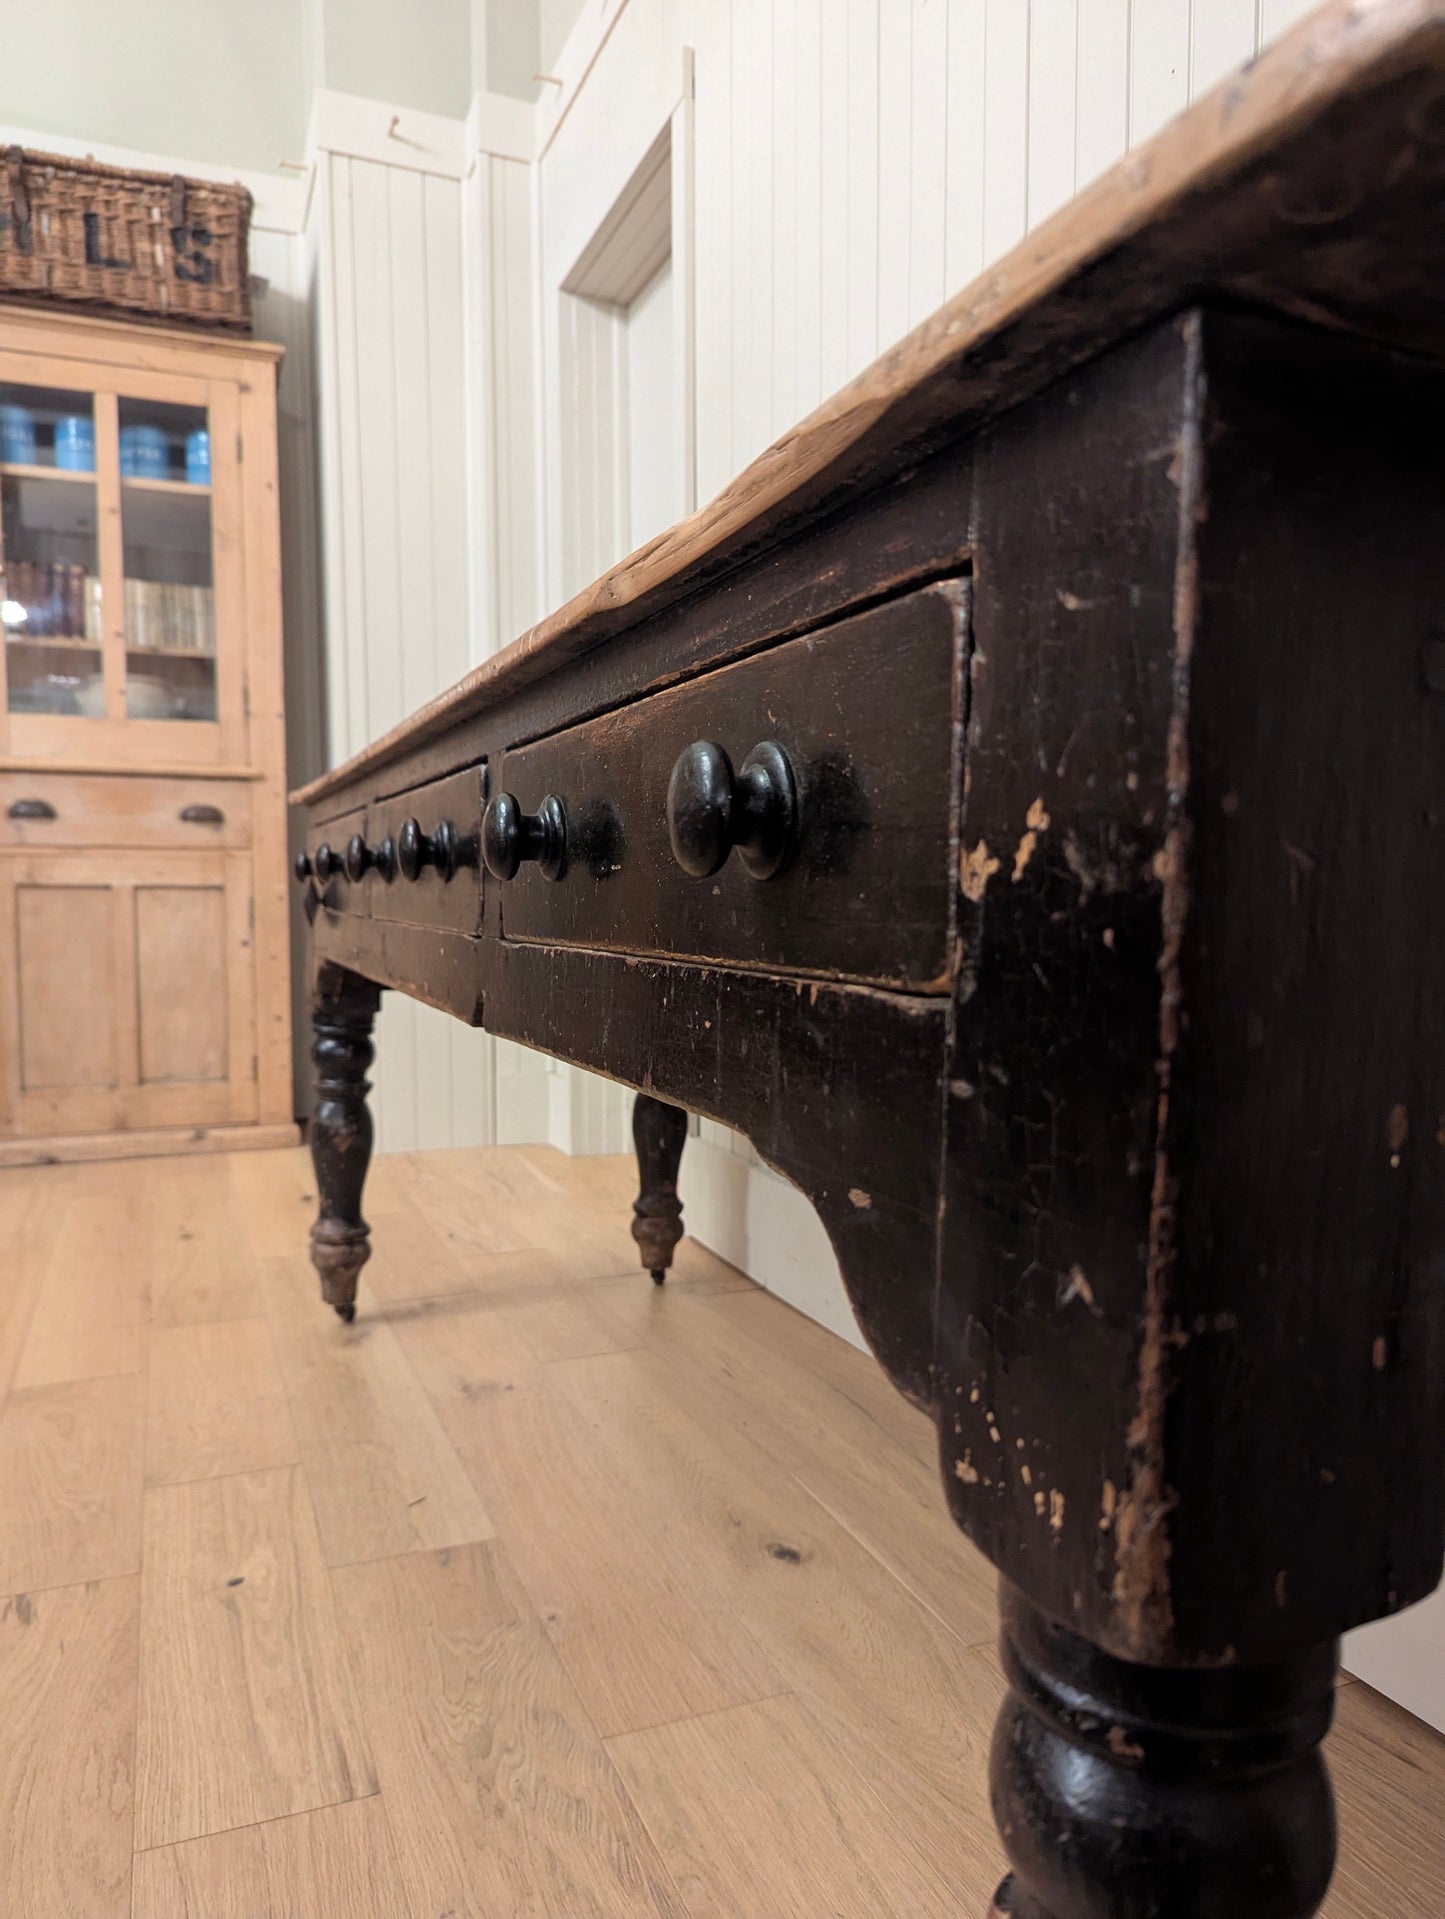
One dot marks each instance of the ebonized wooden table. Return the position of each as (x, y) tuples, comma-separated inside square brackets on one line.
[(1016, 804)]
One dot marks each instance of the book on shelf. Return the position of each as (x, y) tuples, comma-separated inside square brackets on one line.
[(163, 615), (58, 600)]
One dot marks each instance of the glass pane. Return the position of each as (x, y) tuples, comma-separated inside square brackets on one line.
[(49, 569), (170, 617)]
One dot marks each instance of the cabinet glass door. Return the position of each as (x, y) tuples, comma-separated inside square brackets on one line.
[(50, 590), (169, 580)]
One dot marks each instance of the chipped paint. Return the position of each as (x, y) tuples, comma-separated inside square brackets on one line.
[(1026, 1475), (1142, 1547), (857, 1197), (966, 1470), (1108, 1505), (1121, 1745), (1036, 821), (1078, 1288), (975, 870), (1056, 1511), (1380, 1353), (1040, 1503)]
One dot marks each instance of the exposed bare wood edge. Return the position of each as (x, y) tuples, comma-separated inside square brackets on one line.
[(62, 1149), (1344, 48), (23, 310), (147, 770)]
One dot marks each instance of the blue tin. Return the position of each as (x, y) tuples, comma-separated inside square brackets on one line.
[(17, 436), (75, 443), (145, 453), (198, 457)]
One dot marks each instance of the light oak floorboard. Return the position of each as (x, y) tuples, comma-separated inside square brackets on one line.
[(248, 1707), (888, 1682), (829, 1443), (92, 1316), (339, 1859), (274, 1197), (499, 1792), (33, 1206), (67, 1705), (1389, 1773), (222, 1877), (716, 1543), (758, 1811), (384, 1477), (217, 1403), (338, 1862), (644, 1635), (202, 1271), (70, 1482)]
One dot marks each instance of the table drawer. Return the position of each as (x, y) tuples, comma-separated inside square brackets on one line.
[(418, 859), (112, 809), (864, 713)]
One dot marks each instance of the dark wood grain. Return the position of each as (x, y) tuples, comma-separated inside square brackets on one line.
[(453, 901), (1189, 1308), (866, 893)]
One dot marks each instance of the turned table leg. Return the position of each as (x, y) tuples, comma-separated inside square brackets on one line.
[(342, 1011), (658, 1133), (1124, 1790)]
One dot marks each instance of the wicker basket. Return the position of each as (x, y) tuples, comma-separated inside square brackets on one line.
[(112, 240)]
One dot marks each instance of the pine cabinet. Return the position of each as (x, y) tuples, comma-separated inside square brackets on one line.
[(144, 992)]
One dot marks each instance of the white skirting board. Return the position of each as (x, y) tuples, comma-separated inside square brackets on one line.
[(751, 1217), (1404, 1658)]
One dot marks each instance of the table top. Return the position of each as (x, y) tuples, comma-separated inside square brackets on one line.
[(1310, 183)]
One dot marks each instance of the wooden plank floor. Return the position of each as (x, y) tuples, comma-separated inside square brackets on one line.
[(539, 1593)]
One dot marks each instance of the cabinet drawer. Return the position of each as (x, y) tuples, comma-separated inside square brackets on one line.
[(446, 891), (864, 712), (111, 809)]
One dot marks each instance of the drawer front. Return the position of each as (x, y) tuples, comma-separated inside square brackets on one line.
[(326, 844), (111, 809), (432, 898), (864, 713), (435, 896)]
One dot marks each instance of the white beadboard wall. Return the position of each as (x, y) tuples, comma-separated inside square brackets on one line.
[(385, 243), (854, 163)]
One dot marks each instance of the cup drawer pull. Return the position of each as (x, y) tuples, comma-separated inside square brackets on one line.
[(203, 816), (32, 810)]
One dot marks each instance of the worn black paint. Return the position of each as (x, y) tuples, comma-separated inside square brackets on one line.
[(1133, 1790), (343, 1008), (659, 1132), (1131, 1153), (1184, 1264), (864, 892)]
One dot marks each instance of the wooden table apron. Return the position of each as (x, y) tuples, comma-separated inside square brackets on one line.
[(1096, 1012)]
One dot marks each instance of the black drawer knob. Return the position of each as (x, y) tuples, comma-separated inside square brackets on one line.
[(362, 859), (510, 836), (303, 868), (202, 816), (32, 810), (415, 850), (327, 864), (711, 809)]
